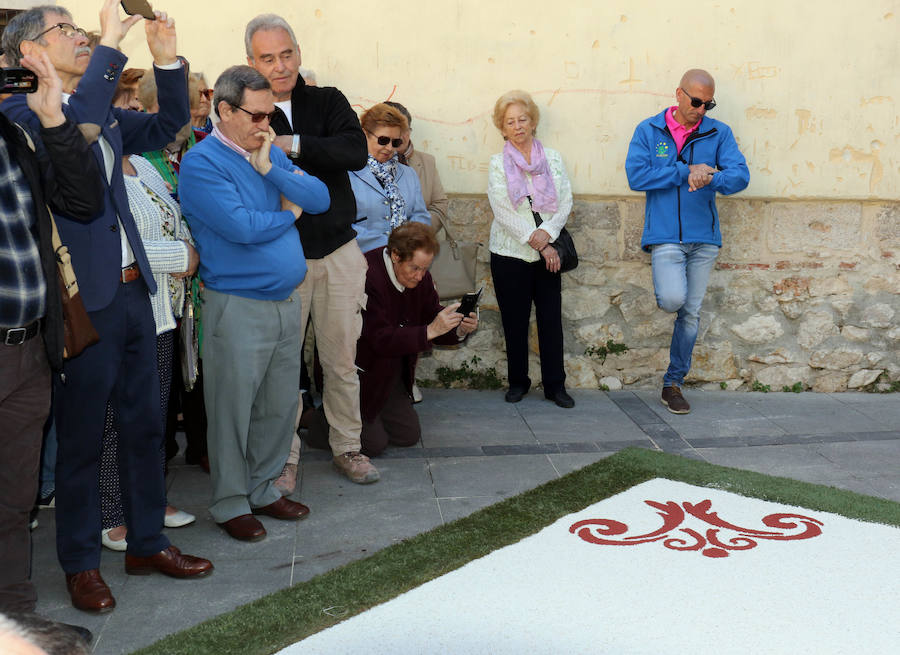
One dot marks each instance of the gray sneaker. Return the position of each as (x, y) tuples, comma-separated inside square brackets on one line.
[(356, 467)]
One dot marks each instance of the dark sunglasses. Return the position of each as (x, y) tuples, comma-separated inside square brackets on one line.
[(384, 140), (696, 102), (68, 30), (207, 93), (259, 116)]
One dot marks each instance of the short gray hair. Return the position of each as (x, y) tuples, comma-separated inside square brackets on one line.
[(51, 637), (25, 27), (233, 82), (266, 22)]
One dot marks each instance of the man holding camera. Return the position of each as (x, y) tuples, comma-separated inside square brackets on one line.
[(114, 278)]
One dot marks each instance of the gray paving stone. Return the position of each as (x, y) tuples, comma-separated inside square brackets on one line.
[(810, 413), (864, 459), (566, 463), (457, 508), (500, 476), (884, 409), (552, 424), (886, 486)]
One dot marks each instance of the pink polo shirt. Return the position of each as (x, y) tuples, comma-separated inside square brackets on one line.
[(679, 132)]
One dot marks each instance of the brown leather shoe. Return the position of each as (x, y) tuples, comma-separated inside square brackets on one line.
[(169, 561), (284, 509), (89, 592), (244, 528), (671, 397)]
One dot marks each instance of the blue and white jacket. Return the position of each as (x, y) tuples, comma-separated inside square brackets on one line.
[(673, 214)]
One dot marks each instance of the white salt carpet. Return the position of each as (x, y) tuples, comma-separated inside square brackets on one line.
[(680, 577)]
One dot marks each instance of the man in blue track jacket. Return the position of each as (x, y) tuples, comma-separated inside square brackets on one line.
[(681, 158)]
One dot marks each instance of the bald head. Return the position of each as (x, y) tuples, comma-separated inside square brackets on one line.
[(698, 76)]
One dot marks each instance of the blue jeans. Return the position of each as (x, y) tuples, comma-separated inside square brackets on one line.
[(680, 275)]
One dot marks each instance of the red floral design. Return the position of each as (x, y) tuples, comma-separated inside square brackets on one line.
[(787, 527)]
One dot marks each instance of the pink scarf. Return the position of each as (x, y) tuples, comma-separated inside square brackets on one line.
[(544, 196)]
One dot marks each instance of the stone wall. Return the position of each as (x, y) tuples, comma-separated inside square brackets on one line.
[(804, 292)]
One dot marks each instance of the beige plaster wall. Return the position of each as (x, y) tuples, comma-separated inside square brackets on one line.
[(810, 88)]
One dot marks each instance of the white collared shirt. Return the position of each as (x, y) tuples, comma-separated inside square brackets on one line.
[(390, 271)]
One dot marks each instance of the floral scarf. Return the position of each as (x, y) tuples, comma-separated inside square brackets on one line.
[(386, 174), (544, 197)]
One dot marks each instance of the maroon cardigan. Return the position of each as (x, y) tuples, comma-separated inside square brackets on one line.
[(394, 327)]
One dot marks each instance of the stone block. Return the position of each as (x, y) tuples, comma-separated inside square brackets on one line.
[(830, 382), (879, 315), (580, 372), (815, 328), (584, 302), (791, 288), (712, 363), (793, 309), (595, 245), (893, 334), (658, 325), (631, 213), (634, 365), (635, 304), (778, 377), (600, 214), (887, 283), (804, 228), (853, 333), (778, 356), (611, 382), (759, 328), (829, 286), (874, 358), (842, 305), (594, 334), (835, 360), (864, 377), (742, 224), (887, 225)]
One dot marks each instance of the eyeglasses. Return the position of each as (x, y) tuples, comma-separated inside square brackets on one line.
[(384, 140), (696, 102), (257, 117), (207, 93), (68, 30)]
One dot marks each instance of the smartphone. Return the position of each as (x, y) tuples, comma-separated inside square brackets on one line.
[(469, 302), (17, 80), (141, 7)]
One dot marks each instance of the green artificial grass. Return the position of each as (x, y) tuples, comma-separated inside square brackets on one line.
[(287, 616)]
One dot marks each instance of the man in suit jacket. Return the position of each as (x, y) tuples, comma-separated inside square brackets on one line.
[(69, 180), (114, 279)]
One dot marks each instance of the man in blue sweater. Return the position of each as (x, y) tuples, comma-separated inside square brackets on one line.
[(681, 158), (241, 197)]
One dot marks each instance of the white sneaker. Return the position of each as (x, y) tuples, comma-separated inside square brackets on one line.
[(416, 393), (113, 544), (179, 519)]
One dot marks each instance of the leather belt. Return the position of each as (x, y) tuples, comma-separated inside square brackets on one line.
[(18, 336), (130, 273)]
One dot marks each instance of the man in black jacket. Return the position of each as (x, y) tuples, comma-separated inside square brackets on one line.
[(320, 132), (67, 176)]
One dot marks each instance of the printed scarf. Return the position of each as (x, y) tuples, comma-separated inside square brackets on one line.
[(386, 174)]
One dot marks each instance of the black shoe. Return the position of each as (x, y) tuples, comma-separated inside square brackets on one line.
[(561, 398), (515, 394)]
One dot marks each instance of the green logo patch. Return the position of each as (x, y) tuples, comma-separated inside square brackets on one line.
[(662, 149)]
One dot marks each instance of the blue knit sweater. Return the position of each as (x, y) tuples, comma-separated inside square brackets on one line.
[(248, 245)]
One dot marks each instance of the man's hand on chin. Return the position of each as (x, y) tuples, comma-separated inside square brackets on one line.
[(259, 158)]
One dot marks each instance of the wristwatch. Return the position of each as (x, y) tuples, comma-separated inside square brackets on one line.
[(295, 147)]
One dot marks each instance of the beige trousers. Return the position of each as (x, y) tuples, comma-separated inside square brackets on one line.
[(333, 293)]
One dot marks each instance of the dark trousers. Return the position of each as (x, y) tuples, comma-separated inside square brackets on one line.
[(121, 369), (517, 285), (24, 404), (397, 423)]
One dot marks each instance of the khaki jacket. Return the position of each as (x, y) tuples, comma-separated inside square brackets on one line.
[(432, 190)]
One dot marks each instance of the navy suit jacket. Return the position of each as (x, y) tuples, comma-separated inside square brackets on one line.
[(95, 243)]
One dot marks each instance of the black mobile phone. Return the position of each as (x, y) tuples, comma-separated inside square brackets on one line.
[(469, 302), (141, 7), (17, 80)]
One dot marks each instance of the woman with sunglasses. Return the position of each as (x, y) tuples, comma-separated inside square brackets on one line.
[(525, 179), (387, 192), (201, 103)]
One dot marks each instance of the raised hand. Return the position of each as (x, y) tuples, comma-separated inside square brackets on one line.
[(112, 28), (161, 38), (446, 320), (259, 158), (46, 102)]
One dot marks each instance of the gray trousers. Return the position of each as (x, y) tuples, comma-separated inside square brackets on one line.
[(251, 364)]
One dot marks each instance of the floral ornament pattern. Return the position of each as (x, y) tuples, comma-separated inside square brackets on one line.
[(786, 527)]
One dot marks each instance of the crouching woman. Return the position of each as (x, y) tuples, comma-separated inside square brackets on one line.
[(403, 318)]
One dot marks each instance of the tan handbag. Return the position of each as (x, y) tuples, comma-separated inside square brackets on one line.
[(453, 270), (78, 330)]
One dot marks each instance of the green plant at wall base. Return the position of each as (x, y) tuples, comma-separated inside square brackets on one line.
[(610, 348), (878, 385), (797, 387), (759, 386), (604, 387), (469, 377), (723, 386)]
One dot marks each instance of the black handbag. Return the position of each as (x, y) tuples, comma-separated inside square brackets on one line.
[(564, 245)]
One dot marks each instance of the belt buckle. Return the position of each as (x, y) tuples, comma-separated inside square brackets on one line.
[(20, 332)]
